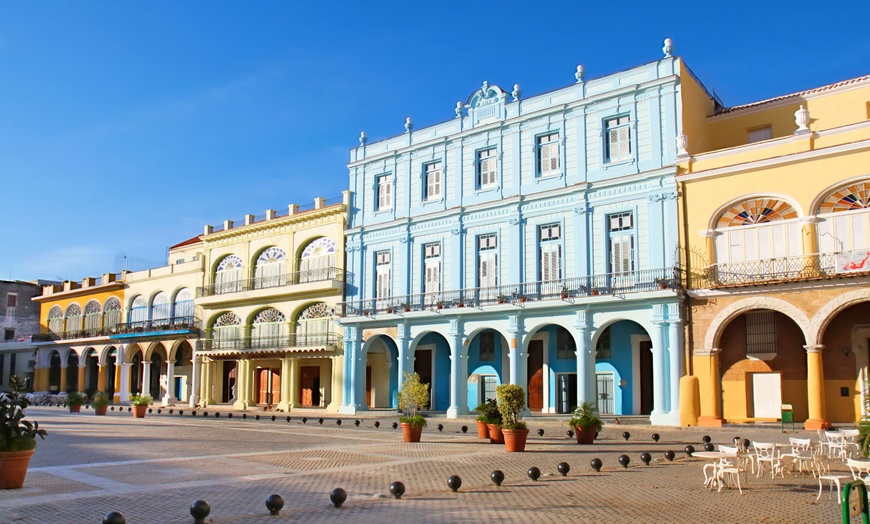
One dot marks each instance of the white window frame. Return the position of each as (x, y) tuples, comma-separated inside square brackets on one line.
[(383, 277), (549, 154), (759, 134), (765, 241), (550, 257), (384, 192), (433, 180), (617, 132), (622, 230), (487, 261), (488, 157), (432, 268)]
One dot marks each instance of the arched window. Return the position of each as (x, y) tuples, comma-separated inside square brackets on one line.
[(757, 229), (73, 318), (92, 318), (183, 307), (267, 329), (160, 309), (226, 331), (269, 271), (139, 310), (317, 259), (112, 313), (55, 319), (844, 220), (228, 276), (314, 325)]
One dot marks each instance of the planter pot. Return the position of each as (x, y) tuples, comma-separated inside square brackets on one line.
[(594, 293), (100, 410), (584, 435), (495, 434), (523, 299), (13, 468), (75, 409), (515, 439), (564, 296), (482, 430), (139, 411), (411, 433)]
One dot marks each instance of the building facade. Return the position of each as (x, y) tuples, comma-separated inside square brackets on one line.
[(530, 241), (776, 199), (19, 321)]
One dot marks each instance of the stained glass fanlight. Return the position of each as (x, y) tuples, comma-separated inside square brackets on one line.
[(267, 328), (757, 211), (269, 271), (847, 198), (317, 259)]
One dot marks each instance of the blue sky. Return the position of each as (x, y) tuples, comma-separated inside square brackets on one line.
[(127, 126)]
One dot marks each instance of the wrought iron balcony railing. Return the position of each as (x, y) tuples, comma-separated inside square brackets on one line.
[(788, 269), (159, 324), (287, 279), (269, 342), (564, 289), (68, 335)]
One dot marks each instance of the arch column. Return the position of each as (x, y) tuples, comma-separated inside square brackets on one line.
[(458, 372), (405, 358), (242, 381), (101, 378), (293, 382), (205, 389), (63, 379), (659, 375), (336, 392), (810, 247), (169, 398), (675, 365), (284, 403), (352, 348), (124, 393), (585, 363), (146, 377), (82, 370), (40, 379), (705, 362), (195, 379), (815, 389), (116, 380)]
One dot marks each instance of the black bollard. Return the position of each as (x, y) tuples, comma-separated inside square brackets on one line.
[(159, 411), (257, 417), (596, 464), (624, 460), (338, 422), (377, 424), (397, 489), (320, 421), (356, 422), (149, 410), (395, 425), (338, 496), (709, 447), (273, 418), (534, 473), (563, 468), (655, 437), (454, 483), (205, 413), (170, 411), (540, 432), (274, 503), (570, 434), (464, 429), (689, 450), (440, 427), (706, 439), (645, 458), (305, 420), (497, 477), (114, 517), (288, 419), (217, 414), (670, 455), (626, 435), (199, 510), (180, 412), (193, 413), (229, 415)]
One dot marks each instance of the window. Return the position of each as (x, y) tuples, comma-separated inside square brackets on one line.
[(269, 271), (621, 243), (617, 133), (486, 169), (487, 346), (267, 328), (182, 309), (228, 276), (11, 300), (487, 265), (548, 154), (382, 277), (317, 261), (112, 311), (432, 181), (160, 309), (550, 261), (602, 347), (760, 332), (566, 347), (8, 334), (314, 325), (385, 192), (760, 134), (432, 268)]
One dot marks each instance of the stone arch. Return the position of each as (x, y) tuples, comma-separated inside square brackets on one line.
[(833, 307), (103, 354), (153, 346), (380, 352), (132, 350), (858, 186), (732, 311)]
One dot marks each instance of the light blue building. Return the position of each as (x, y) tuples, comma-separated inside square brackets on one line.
[(527, 240)]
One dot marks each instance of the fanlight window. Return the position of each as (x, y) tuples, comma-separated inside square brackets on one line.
[(73, 317), (757, 211), (228, 277), (844, 222), (112, 312), (160, 308), (226, 331), (317, 258), (267, 328), (314, 324), (183, 307), (55, 319), (270, 268), (139, 309), (758, 229), (92, 317)]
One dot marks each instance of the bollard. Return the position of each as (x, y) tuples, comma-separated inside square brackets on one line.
[(534, 473), (655, 437), (257, 417), (230, 415), (305, 420), (540, 432), (563, 468), (274, 503), (397, 489), (377, 424), (199, 510), (689, 450), (356, 422), (570, 433), (395, 425), (670, 455), (338, 496), (464, 429), (338, 422), (454, 483), (193, 413), (497, 477), (320, 421), (273, 418), (624, 460), (645, 458), (114, 518), (596, 464), (626, 435), (709, 447), (706, 439), (288, 419)]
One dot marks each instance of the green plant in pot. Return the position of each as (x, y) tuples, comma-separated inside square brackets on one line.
[(585, 422), (140, 404), (100, 403), (487, 413), (17, 437), (413, 396), (75, 400), (511, 400)]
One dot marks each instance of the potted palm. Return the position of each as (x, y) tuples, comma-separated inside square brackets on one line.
[(413, 397), (75, 400), (100, 403), (140, 404), (17, 437), (511, 400), (585, 422)]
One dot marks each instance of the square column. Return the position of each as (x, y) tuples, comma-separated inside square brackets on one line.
[(294, 382), (815, 389), (169, 398), (63, 380), (146, 377), (101, 378), (458, 373), (659, 411), (284, 403), (125, 382), (337, 382), (705, 363), (81, 382), (195, 379), (242, 381)]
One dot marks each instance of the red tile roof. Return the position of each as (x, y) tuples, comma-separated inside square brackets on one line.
[(795, 95), (187, 242)]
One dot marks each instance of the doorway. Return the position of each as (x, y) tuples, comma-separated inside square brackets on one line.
[(646, 377), (423, 367), (566, 392), (766, 395), (536, 375), (604, 392), (309, 383), (229, 381), (269, 389)]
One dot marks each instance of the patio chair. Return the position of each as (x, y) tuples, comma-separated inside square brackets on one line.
[(766, 453), (850, 441), (822, 471), (836, 445), (801, 453), (860, 469), (730, 466)]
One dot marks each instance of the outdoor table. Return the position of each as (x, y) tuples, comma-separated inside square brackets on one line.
[(714, 480)]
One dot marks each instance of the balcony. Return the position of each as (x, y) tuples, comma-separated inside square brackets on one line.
[(569, 289), (71, 335), (817, 266), (300, 281), (160, 326), (270, 343)]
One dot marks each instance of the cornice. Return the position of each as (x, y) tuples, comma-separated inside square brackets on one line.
[(278, 226), (93, 290)]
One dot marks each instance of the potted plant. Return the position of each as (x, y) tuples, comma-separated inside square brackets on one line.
[(523, 298), (439, 304), (487, 413), (413, 396), (511, 401), (75, 400), (140, 404), (406, 308), (501, 299), (585, 422), (564, 293), (100, 403), (17, 437)]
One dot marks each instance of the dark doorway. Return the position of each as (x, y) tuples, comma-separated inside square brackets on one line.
[(229, 381), (567, 392), (536, 375), (646, 377), (423, 367)]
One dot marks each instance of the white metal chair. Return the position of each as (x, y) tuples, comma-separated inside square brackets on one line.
[(822, 471), (731, 466), (836, 444), (860, 470), (801, 453), (850, 442), (765, 452)]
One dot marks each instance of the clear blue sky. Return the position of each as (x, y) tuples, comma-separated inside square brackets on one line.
[(127, 126)]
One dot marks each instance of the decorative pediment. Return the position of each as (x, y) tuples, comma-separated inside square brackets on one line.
[(486, 103)]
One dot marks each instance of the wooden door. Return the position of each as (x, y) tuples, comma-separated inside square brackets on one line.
[(309, 382), (766, 395), (369, 386), (275, 396), (646, 377), (423, 367), (229, 372), (536, 375)]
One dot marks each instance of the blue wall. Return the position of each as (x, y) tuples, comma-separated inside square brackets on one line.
[(620, 364), (475, 366)]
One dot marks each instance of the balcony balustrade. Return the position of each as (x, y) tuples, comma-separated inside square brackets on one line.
[(273, 281), (187, 323), (269, 342), (788, 269), (616, 284)]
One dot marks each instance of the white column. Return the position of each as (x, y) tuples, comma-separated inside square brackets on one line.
[(351, 348), (337, 383), (585, 375), (658, 372), (125, 381), (284, 403), (195, 379), (146, 377), (458, 372), (169, 398), (406, 358)]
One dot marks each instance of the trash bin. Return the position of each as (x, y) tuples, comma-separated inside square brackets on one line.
[(787, 416)]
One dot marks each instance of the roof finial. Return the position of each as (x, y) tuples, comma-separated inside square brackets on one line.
[(580, 74), (363, 138), (668, 49), (408, 125)]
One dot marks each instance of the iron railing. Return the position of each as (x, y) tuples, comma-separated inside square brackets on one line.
[(159, 324), (269, 342), (782, 269), (563, 289), (266, 282), (68, 335)]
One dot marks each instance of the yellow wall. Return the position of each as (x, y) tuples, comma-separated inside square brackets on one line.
[(697, 106), (76, 297)]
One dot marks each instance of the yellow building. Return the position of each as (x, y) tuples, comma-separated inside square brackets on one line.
[(775, 219)]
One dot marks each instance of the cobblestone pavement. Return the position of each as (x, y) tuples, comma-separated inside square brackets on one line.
[(152, 469)]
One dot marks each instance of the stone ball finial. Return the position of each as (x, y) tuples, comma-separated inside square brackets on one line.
[(458, 109), (363, 138), (580, 74), (516, 92), (408, 125), (802, 119), (668, 49)]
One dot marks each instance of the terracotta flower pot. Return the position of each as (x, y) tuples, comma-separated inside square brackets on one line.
[(13, 468), (101, 410), (495, 434), (75, 409), (482, 430), (411, 433), (515, 439), (139, 411), (584, 435)]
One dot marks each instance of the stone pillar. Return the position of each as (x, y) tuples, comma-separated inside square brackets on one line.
[(810, 266), (815, 389), (284, 403), (242, 380), (124, 393), (585, 360), (205, 391), (405, 357), (195, 380), (169, 398), (294, 382), (659, 375), (63, 379), (705, 362), (337, 381), (116, 396), (40, 379), (675, 362), (458, 372), (81, 385), (101, 378), (352, 343), (146, 377)]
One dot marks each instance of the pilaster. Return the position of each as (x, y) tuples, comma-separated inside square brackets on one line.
[(815, 389)]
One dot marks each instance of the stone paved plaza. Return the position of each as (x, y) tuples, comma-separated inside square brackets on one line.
[(152, 469)]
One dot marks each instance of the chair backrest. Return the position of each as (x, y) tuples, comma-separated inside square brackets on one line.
[(821, 466), (850, 433), (859, 468), (765, 450), (834, 437), (799, 444), (728, 449)]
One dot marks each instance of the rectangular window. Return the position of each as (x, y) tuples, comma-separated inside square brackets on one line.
[(621, 243), (486, 168), (432, 183), (760, 332), (11, 300), (383, 273), (487, 346), (617, 133), (759, 135), (432, 268), (385, 192), (548, 154), (8, 334), (550, 261), (487, 265)]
